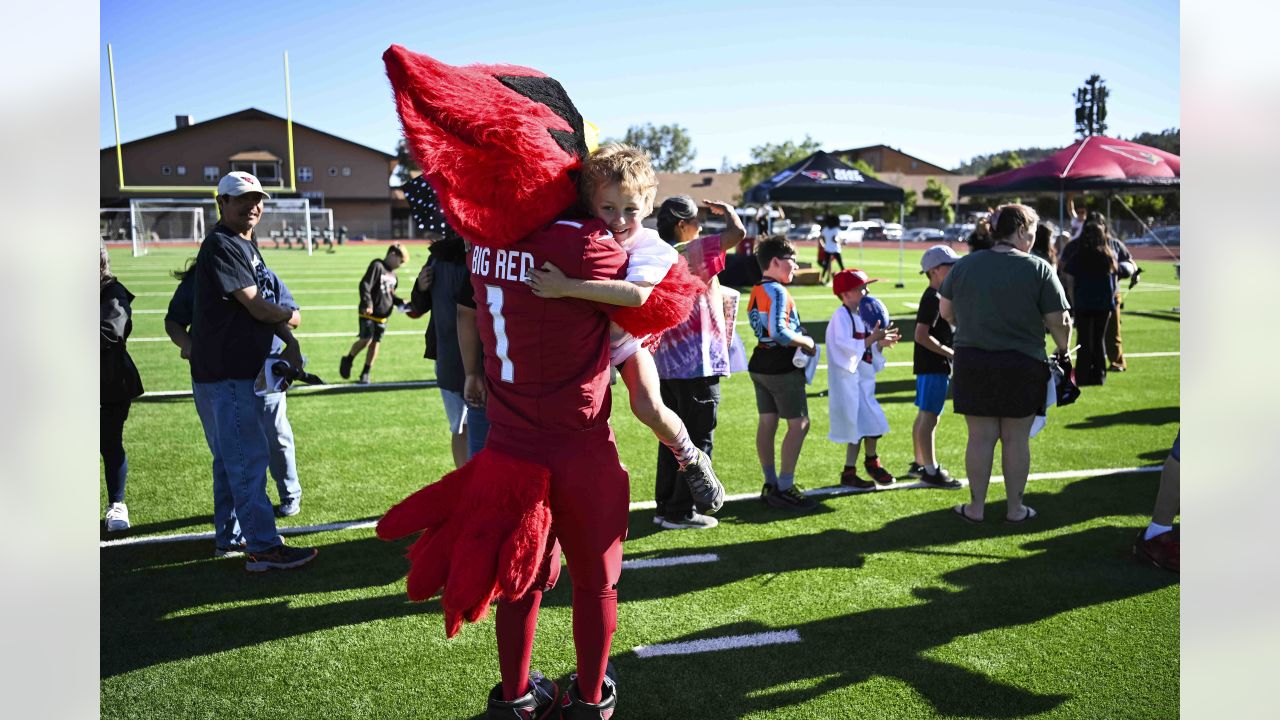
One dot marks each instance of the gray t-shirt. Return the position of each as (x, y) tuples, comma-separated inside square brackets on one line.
[(1000, 300)]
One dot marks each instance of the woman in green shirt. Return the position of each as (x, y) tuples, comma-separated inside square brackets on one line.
[(1001, 300)]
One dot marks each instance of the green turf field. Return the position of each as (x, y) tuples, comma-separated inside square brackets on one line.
[(894, 608)]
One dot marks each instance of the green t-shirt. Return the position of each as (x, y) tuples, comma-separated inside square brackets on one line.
[(1000, 300)]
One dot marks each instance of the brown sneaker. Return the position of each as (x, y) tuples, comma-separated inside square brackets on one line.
[(1161, 550)]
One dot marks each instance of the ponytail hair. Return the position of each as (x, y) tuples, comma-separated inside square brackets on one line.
[(1008, 220)]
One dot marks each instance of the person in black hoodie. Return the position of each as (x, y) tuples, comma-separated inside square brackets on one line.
[(377, 300), (119, 385)]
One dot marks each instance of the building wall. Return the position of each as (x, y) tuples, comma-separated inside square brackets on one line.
[(357, 190), (885, 159)]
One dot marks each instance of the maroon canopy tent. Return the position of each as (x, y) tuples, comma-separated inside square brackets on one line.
[(1094, 163)]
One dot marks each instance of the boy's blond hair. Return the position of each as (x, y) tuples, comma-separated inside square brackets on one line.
[(400, 250), (626, 165)]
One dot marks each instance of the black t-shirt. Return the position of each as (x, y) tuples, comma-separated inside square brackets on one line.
[(227, 343), (925, 361)]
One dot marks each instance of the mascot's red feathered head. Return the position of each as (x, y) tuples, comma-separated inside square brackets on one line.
[(500, 144)]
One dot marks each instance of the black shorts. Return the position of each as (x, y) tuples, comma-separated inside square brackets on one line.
[(372, 329), (998, 383)]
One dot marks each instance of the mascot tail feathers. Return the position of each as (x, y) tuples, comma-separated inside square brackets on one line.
[(668, 305), (486, 528)]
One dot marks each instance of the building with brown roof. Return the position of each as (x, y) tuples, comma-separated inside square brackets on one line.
[(332, 172), (884, 159)]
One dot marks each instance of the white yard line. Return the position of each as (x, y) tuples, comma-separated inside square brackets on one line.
[(731, 642), (670, 561), (307, 309), (298, 335), (641, 505), (1174, 353), (304, 389)]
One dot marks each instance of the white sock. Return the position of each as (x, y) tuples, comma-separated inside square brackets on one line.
[(932, 469), (1155, 530)]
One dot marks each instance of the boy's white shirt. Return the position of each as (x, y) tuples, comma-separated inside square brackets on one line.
[(844, 351), (649, 257)]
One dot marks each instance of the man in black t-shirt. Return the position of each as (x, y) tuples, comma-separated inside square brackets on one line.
[(234, 320), (931, 364)]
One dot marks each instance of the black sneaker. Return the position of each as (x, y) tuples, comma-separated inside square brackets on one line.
[(765, 490), (280, 557), (364, 379), (538, 703), (916, 470), (791, 499), (573, 707), (939, 479), (849, 478), (708, 493), (344, 367), (878, 473)]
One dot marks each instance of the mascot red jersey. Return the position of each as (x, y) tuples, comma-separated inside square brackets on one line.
[(500, 147)]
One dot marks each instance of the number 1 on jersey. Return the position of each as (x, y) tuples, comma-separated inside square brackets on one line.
[(493, 299)]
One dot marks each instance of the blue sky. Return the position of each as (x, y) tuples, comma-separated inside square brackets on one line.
[(935, 79)]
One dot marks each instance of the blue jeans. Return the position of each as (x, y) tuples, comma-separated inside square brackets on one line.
[(283, 464), (477, 430), (231, 414)]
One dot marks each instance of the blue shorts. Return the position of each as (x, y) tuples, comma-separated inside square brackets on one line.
[(1176, 451), (931, 392)]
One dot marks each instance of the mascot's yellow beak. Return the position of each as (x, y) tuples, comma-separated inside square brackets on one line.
[(591, 134)]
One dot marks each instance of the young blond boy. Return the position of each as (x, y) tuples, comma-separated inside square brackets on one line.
[(618, 185)]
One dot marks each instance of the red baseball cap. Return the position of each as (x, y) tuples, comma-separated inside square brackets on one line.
[(852, 279)]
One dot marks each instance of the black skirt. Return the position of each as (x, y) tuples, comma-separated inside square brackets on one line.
[(998, 383)]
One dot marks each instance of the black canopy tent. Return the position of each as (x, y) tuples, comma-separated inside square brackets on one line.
[(823, 179)]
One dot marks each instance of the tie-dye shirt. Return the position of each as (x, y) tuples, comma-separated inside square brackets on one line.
[(699, 346)]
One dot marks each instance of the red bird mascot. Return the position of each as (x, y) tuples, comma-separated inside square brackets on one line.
[(500, 146)]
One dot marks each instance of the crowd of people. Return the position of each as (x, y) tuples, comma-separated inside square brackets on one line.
[(979, 335)]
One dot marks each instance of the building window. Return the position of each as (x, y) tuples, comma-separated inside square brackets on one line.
[(346, 171), (264, 171), (333, 171), (211, 173), (182, 169), (166, 170), (914, 164), (304, 173), (267, 171)]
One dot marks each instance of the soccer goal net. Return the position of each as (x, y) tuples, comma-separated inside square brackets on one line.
[(142, 225), (291, 222)]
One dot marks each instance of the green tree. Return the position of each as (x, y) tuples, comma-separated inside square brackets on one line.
[(768, 159), (669, 145), (405, 164), (941, 194), (1005, 161), (1167, 140), (893, 211)]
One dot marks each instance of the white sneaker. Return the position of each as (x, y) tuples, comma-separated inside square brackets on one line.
[(117, 517), (695, 521)]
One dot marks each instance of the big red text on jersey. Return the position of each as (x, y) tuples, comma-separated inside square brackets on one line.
[(546, 361)]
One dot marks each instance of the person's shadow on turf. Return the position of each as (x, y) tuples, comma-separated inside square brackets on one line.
[(158, 606), (1065, 573)]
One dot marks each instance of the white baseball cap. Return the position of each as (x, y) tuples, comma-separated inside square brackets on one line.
[(238, 183)]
